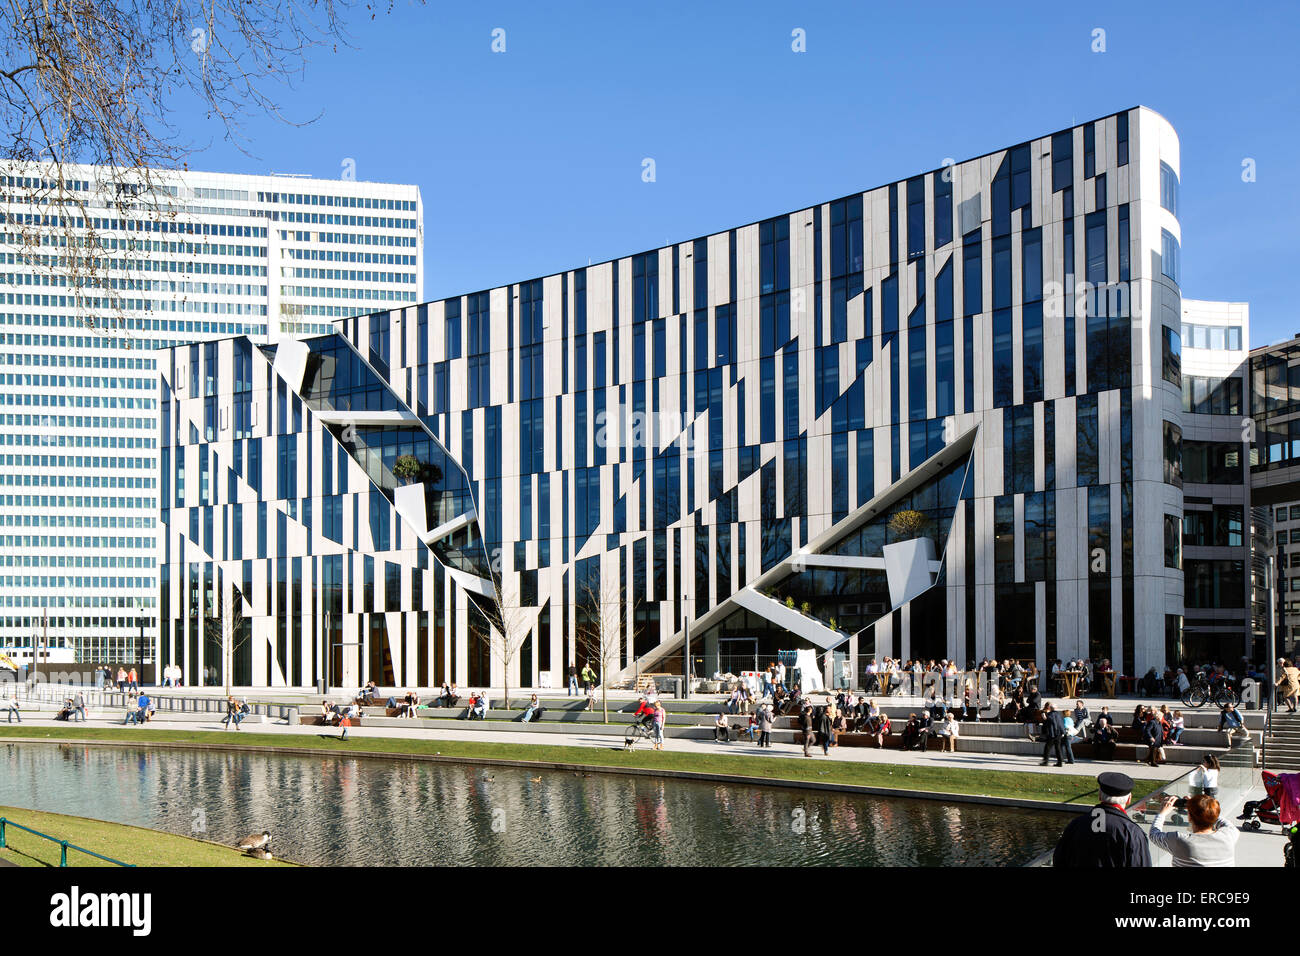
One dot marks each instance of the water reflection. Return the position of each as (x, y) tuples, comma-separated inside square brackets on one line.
[(364, 811)]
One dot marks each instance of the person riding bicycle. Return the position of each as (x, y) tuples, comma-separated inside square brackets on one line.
[(645, 713)]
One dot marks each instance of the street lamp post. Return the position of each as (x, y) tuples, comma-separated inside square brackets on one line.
[(686, 648), (139, 649)]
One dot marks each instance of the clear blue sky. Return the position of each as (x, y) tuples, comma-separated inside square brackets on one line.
[(529, 161)]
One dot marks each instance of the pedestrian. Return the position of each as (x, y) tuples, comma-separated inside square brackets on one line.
[(79, 706), (1289, 683), (133, 680), (661, 717), (121, 678), (234, 713), (573, 680), (825, 728), (1054, 739), (588, 678), (806, 726), (99, 678), (765, 726), (11, 707), (1104, 836)]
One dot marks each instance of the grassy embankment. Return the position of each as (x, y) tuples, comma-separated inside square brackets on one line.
[(136, 845)]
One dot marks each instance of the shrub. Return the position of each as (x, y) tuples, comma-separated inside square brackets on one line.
[(407, 468), (907, 523)]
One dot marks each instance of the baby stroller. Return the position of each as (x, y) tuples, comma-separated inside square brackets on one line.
[(1280, 804)]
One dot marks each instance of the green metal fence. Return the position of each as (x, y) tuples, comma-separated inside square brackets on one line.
[(64, 845)]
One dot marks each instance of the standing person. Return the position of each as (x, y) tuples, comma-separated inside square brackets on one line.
[(11, 706), (1289, 682), (825, 728), (133, 680), (121, 678), (806, 725), (573, 680), (1204, 780), (1153, 735), (79, 706), (99, 678), (765, 726), (1212, 841), (660, 717), (1104, 836), (1054, 735), (233, 714)]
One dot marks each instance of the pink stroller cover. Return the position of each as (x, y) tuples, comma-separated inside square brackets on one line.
[(1289, 806)]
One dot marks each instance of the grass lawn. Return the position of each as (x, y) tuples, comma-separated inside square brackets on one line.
[(1018, 784), (137, 845)]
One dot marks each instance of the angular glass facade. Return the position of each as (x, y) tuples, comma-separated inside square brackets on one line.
[(722, 428)]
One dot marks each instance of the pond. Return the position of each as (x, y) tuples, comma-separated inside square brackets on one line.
[(363, 811)]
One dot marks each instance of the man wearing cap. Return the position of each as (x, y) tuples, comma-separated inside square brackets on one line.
[(1105, 836)]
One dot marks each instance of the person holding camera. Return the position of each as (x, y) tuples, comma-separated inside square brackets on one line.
[(1212, 841)]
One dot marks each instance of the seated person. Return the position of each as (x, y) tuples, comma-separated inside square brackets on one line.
[(329, 713), (533, 711), (879, 728), (911, 732), (367, 694), (450, 696), (1104, 737), (65, 711), (477, 707), (720, 727), (409, 703), (1082, 719), (1229, 718)]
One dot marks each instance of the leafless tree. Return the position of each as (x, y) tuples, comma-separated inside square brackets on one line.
[(514, 624), (104, 83), (601, 628), (230, 626)]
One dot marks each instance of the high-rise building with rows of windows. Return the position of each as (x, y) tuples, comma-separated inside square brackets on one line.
[(934, 419), (192, 256)]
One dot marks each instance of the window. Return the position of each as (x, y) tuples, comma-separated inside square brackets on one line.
[(1171, 355), (1168, 188), (1173, 542), (1169, 253), (943, 209), (1212, 463), (1121, 150), (1173, 454), (1062, 160)]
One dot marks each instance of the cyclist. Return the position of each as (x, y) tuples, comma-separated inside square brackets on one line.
[(645, 713)]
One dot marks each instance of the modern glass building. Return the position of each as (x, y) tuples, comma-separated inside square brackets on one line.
[(198, 256), (932, 419)]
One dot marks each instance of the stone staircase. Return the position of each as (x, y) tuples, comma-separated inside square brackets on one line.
[(1282, 744)]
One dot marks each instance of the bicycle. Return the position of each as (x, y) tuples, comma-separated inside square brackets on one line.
[(1202, 690), (638, 730)]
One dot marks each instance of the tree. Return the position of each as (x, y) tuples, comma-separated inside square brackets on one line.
[(601, 628), (102, 83), (907, 523), (514, 623), (230, 623)]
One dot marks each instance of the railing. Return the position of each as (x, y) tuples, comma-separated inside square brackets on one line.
[(64, 845), (1237, 778)]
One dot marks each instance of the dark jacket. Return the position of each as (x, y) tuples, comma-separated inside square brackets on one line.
[(1104, 836), (1053, 726), (1153, 733)]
